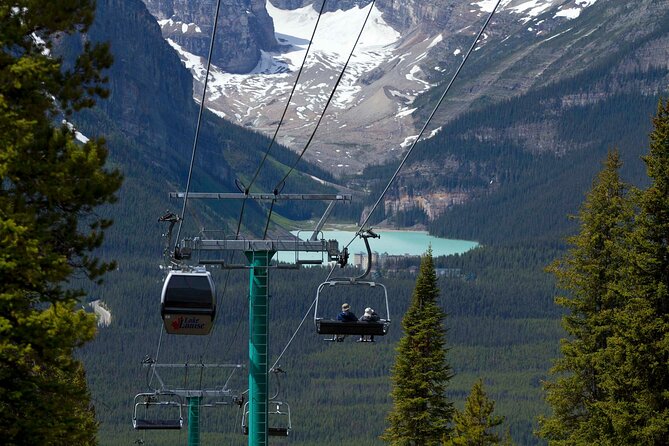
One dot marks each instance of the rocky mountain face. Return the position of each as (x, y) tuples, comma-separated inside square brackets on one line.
[(406, 56), (244, 29)]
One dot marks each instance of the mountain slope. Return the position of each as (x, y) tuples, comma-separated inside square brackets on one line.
[(408, 48), (150, 119)]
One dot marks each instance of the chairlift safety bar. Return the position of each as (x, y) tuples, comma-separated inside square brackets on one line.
[(231, 366), (199, 393)]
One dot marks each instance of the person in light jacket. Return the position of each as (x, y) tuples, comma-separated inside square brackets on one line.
[(369, 316)]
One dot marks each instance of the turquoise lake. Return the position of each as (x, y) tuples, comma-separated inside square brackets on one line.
[(390, 242)]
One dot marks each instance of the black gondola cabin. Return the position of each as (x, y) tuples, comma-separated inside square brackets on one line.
[(188, 302)]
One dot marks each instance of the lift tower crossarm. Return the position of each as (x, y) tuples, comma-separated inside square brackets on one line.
[(268, 245), (262, 197)]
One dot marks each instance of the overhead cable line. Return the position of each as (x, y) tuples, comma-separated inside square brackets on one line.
[(334, 90), (292, 91), (247, 189), (282, 182), (294, 334), (195, 140), (441, 99), (199, 121), (420, 134)]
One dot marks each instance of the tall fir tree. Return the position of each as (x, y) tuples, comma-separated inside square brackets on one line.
[(589, 272), (50, 188), (475, 424), (637, 356), (421, 412)]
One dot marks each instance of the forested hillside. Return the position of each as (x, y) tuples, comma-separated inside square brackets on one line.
[(525, 163), (502, 326)]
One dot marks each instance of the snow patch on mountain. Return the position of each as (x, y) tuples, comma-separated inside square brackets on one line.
[(274, 74), (184, 28), (574, 12), (528, 9)]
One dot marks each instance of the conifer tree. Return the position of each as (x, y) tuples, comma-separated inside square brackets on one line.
[(589, 271), (421, 413), (615, 390), (50, 186), (637, 356), (474, 426)]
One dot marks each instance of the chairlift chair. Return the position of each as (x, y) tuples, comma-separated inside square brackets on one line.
[(278, 419), (188, 302), (331, 326), (167, 413)]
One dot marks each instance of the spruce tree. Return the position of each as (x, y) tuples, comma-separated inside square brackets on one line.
[(421, 413), (50, 188), (589, 272), (637, 356), (475, 425)]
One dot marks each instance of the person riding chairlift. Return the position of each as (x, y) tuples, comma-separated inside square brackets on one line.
[(369, 316), (346, 315)]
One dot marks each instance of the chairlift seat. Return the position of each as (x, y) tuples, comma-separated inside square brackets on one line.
[(271, 431), (188, 302), (359, 328), (141, 424), (278, 432), (281, 424)]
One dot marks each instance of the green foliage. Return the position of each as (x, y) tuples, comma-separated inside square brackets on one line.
[(49, 191), (421, 412), (637, 356), (474, 426), (612, 384), (589, 271), (501, 326)]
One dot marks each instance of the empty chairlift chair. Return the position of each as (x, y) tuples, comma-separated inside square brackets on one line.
[(157, 411), (278, 419), (188, 302), (351, 292)]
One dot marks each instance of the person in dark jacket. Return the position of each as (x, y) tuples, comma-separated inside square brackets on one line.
[(346, 315)]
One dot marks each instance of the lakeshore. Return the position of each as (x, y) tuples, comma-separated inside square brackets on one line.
[(390, 242)]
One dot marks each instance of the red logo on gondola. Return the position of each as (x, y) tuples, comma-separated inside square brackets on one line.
[(192, 323)]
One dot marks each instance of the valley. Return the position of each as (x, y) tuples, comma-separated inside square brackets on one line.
[(508, 158)]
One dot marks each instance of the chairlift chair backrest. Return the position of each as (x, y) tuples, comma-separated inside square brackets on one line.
[(188, 302)]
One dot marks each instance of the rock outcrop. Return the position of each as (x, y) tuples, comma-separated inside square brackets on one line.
[(244, 29)]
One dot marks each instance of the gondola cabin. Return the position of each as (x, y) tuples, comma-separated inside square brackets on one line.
[(188, 302), (362, 295)]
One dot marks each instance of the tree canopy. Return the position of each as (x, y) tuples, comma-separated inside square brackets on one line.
[(421, 412), (475, 424), (50, 189), (611, 386)]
